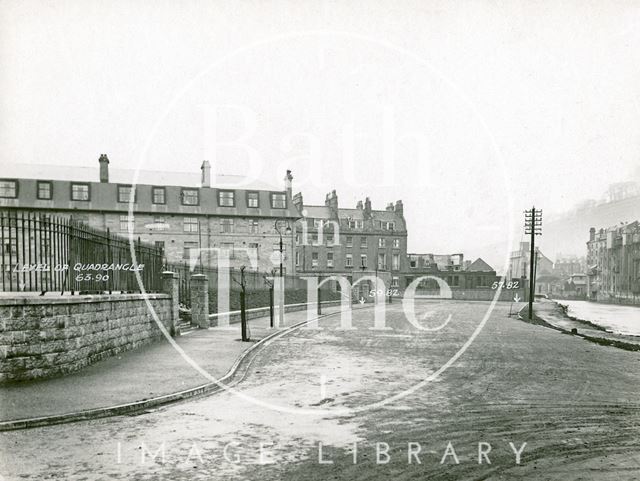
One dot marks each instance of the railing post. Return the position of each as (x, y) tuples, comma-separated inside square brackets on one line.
[(271, 306), (243, 307), (243, 316)]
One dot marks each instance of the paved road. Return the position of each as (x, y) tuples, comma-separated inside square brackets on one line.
[(574, 403)]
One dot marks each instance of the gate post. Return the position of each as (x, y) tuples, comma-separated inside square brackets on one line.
[(170, 286), (200, 300)]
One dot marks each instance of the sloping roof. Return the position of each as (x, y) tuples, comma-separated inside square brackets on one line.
[(479, 265), (127, 176), (316, 211)]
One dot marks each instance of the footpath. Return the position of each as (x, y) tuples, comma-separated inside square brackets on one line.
[(552, 314), (150, 376)]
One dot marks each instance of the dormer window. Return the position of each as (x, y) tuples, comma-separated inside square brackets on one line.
[(126, 193), (158, 195), (80, 191), (278, 200), (190, 197), (226, 198), (8, 189), (45, 190), (253, 199)]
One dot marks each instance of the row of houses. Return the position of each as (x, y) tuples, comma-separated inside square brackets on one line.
[(610, 272), (205, 217), (613, 258)]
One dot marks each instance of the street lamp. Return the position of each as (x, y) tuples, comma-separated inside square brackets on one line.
[(287, 231), (377, 261), (363, 267)]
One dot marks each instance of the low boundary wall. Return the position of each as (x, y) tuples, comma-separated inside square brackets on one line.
[(234, 316), (477, 294), (47, 336)]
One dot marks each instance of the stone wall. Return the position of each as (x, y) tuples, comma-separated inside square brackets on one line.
[(479, 294), (47, 336), (234, 316)]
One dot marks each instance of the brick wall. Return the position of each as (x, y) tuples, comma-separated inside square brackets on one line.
[(43, 337)]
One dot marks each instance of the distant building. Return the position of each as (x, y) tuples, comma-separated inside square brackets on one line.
[(520, 262), (477, 274), (575, 287), (180, 217), (333, 240), (443, 262), (567, 266), (613, 263), (547, 282)]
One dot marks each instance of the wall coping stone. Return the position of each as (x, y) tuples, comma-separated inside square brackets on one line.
[(23, 299)]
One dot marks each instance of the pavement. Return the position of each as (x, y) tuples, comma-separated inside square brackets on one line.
[(550, 312), (145, 374)]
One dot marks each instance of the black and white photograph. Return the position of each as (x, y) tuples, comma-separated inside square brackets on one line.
[(319, 240)]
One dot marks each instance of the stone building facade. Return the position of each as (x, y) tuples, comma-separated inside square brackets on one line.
[(197, 217), (613, 263), (332, 240)]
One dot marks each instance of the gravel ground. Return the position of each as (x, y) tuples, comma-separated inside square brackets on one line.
[(574, 404)]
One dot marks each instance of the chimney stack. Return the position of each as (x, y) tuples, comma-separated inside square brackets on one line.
[(399, 208), (389, 207), (298, 202), (205, 178), (359, 205), (288, 186), (592, 234), (367, 208), (331, 201), (104, 168)]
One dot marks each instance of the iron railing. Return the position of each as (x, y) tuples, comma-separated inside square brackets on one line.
[(44, 253), (256, 286)]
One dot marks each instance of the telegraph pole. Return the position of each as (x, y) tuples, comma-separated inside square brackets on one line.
[(535, 270), (533, 227)]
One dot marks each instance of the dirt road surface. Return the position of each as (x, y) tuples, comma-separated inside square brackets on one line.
[(308, 398)]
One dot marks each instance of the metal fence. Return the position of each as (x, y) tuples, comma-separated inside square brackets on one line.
[(44, 253), (256, 285)]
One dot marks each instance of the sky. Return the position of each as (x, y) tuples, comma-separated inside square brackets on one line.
[(469, 112)]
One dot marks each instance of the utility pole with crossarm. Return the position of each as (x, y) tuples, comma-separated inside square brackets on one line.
[(533, 227)]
